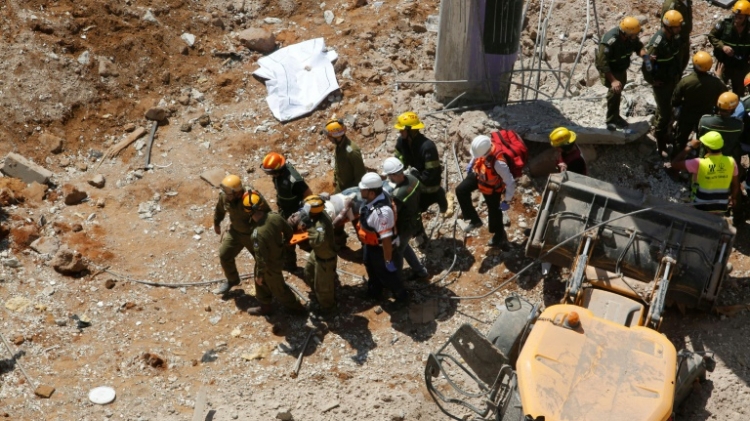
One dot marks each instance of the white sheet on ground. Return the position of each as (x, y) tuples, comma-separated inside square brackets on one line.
[(300, 77)]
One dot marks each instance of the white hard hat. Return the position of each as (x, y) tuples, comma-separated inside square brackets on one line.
[(392, 165), (480, 146), (371, 180)]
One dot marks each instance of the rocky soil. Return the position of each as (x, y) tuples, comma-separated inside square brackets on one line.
[(77, 78)]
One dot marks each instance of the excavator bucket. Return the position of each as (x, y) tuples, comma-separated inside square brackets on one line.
[(628, 242)]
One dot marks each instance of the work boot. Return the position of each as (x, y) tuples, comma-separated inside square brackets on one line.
[(224, 287), (419, 276), (472, 226), (261, 310), (299, 310), (500, 242)]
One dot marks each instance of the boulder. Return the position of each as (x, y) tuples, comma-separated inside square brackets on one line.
[(258, 39), (567, 56), (98, 181), (107, 68), (72, 195), (46, 245), (51, 142), (68, 262), (157, 114)]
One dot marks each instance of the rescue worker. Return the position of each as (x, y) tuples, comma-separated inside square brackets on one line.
[(745, 138), (272, 232), (489, 173), (415, 150), (320, 270), (405, 190), (661, 68), (612, 62), (730, 38), (715, 176), (291, 189), (569, 155), (376, 230), (348, 168), (685, 7), (238, 236), (729, 127), (693, 97)]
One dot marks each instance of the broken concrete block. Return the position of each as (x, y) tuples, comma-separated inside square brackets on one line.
[(46, 245), (72, 195), (68, 262), (98, 181), (258, 39), (19, 167), (51, 142), (44, 391), (214, 176)]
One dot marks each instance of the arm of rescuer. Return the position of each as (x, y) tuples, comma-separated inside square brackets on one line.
[(716, 41), (384, 223), (603, 58), (693, 144), (430, 175), (510, 183), (219, 213)]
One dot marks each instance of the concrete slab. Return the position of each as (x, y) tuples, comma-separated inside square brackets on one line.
[(214, 176), (594, 136), (17, 166)]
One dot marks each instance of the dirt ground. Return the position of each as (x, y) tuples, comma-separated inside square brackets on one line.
[(162, 349)]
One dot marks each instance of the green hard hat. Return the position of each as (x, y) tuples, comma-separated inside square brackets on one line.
[(712, 140)]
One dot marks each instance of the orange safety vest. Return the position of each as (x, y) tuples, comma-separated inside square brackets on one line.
[(488, 180), (367, 234)]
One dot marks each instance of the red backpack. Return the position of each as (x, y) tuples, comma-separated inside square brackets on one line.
[(515, 151)]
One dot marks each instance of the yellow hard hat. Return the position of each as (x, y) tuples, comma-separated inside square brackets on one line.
[(252, 201), (561, 136), (231, 183), (702, 61), (335, 128), (712, 140), (408, 120), (630, 25), (315, 203), (672, 19), (742, 7), (728, 101)]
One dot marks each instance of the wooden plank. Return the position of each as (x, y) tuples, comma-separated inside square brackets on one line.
[(200, 405)]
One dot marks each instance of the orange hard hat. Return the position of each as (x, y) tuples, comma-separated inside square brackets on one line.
[(273, 162)]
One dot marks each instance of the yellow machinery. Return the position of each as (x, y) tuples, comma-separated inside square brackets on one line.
[(598, 355)]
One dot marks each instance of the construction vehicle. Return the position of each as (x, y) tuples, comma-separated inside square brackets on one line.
[(599, 354)]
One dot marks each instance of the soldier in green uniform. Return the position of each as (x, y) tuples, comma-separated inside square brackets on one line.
[(291, 189), (685, 7), (695, 96), (612, 62), (320, 270), (349, 167), (729, 127), (730, 38), (405, 190), (238, 235), (661, 68), (268, 239)]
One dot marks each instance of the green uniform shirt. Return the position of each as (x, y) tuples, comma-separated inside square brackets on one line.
[(290, 190), (269, 238), (240, 220), (614, 52), (666, 66), (724, 34), (686, 10), (729, 127), (320, 237), (406, 197), (697, 93), (745, 138), (349, 167)]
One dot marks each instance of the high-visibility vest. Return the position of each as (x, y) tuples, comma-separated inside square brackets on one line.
[(367, 234), (713, 182), (488, 180)]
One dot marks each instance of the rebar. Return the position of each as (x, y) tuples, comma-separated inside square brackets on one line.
[(580, 48)]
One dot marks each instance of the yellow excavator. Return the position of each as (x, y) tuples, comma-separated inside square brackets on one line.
[(599, 354)]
